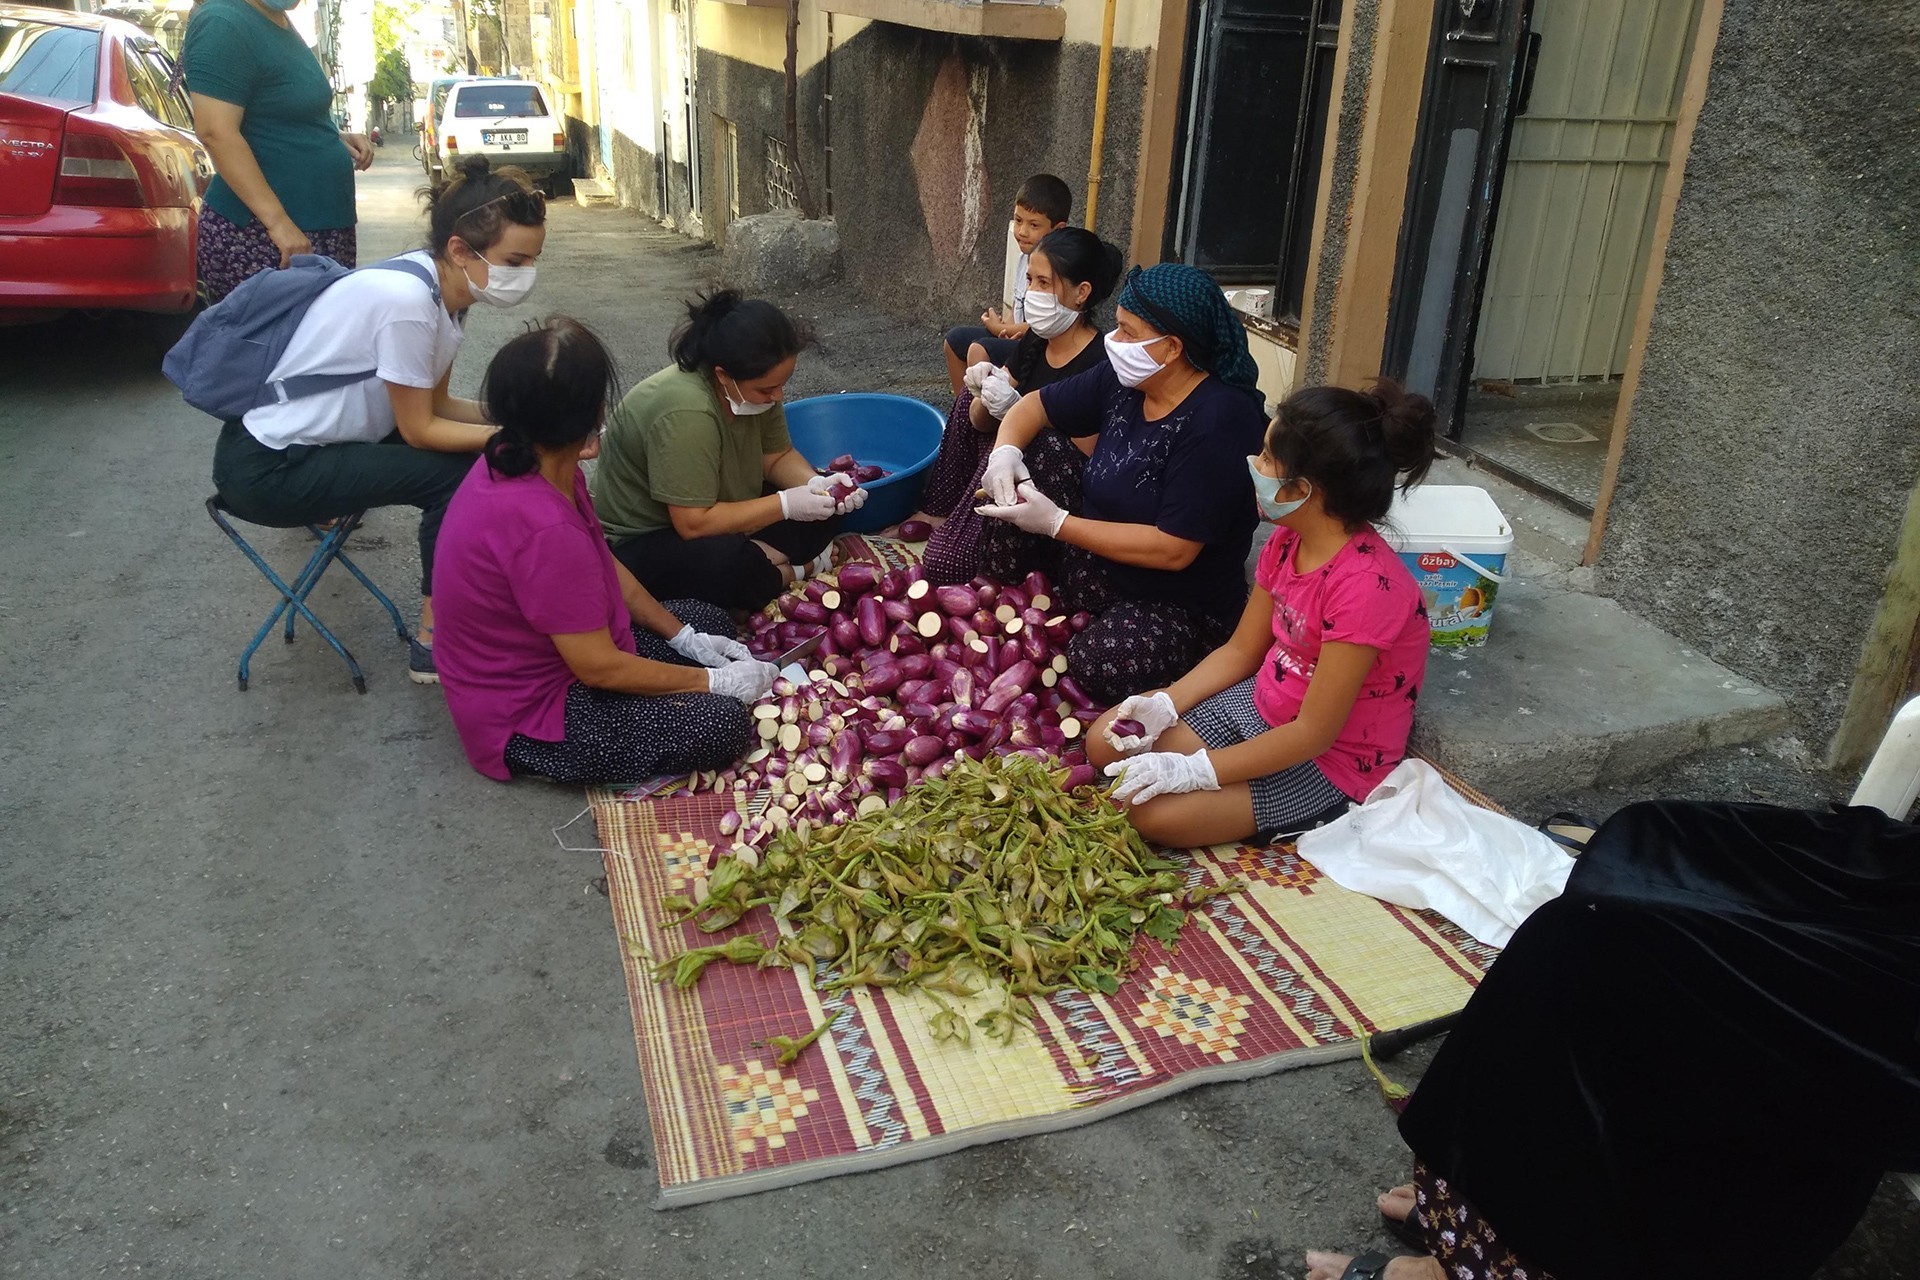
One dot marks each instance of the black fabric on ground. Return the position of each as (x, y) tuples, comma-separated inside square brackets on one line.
[(1701, 1058)]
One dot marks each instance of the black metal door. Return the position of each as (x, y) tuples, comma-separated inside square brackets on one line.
[(1255, 98), (1474, 79)]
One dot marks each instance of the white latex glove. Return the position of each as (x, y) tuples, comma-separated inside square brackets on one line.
[(852, 502), (1037, 514), (1155, 713), (1006, 468), (1160, 773), (997, 393), (812, 501), (708, 651), (976, 374), (747, 679)]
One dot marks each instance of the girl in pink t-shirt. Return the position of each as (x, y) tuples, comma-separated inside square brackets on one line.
[(1308, 706)]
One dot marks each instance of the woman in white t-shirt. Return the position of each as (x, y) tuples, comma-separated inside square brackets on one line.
[(397, 438)]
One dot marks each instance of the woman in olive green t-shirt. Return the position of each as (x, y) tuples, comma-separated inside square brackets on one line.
[(264, 108), (700, 492)]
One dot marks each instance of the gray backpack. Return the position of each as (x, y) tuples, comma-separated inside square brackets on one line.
[(223, 362)]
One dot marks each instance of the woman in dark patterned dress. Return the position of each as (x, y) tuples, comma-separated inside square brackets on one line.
[(1156, 550)]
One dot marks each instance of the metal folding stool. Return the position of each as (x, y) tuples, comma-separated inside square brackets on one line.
[(293, 599)]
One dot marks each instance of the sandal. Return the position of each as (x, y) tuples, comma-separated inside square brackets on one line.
[(1403, 1230), (1368, 1266), (1569, 830)]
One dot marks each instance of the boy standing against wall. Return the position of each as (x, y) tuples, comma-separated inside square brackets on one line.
[(1042, 204)]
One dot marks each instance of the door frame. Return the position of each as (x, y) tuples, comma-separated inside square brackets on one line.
[(1436, 291), (1191, 150), (1706, 38)]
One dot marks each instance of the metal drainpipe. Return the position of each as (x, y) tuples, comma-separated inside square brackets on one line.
[(826, 116), (1100, 117)]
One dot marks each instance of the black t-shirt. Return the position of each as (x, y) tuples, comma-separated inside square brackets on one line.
[(1031, 371), (1186, 474)]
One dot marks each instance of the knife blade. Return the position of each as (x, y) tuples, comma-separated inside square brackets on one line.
[(802, 650)]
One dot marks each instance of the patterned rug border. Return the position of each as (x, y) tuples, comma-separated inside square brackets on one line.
[(734, 1186)]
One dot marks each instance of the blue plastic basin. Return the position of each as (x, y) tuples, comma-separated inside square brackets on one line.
[(894, 432)]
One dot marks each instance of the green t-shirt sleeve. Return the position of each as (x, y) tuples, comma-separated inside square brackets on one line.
[(683, 459), (219, 59)]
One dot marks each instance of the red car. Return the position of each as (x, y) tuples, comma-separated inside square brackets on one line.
[(101, 176)]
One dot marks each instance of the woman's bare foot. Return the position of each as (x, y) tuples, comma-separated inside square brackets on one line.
[(1331, 1266), (1398, 1203)]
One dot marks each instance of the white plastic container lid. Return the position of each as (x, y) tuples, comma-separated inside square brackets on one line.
[(1460, 516)]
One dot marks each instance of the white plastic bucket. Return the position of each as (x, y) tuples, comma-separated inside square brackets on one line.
[(1455, 542)]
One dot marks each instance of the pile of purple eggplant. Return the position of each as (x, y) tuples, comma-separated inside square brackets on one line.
[(907, 677)]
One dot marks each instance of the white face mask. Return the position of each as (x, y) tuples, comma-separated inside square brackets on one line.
[(744, 408), (505, 286), (1130, 361), (1046, 317)]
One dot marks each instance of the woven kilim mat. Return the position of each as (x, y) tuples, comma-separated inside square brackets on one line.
[(1289, 972)]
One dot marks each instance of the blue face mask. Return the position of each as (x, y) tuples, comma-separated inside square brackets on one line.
[(1266, 491)]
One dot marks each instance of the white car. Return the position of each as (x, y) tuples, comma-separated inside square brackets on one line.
[(505, 120)]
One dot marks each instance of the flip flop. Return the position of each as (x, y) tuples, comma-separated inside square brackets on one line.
[(1368, 1266), (1569, 830)]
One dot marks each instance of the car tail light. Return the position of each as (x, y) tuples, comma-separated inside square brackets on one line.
[(95, 171), (559, 142), (453, 143)]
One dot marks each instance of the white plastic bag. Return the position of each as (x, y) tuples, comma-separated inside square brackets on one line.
[(1417, 842)]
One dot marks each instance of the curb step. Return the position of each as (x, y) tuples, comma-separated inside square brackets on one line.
[(1572, 691), (590, 193)]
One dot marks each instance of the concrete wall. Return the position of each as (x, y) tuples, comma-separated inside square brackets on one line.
[(753, 99), (516, 25), (931, 133), (1775, 437), (742, 79), (630, 104), (922, 213), (634, 174)]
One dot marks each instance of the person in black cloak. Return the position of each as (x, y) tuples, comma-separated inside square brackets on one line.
[(1716, 1026)]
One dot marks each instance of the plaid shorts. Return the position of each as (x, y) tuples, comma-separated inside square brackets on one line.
[(1284, 803)]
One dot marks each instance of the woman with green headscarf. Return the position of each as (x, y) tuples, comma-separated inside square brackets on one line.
[(1157, 548)]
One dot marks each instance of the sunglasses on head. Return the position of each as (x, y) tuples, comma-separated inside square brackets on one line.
[(527, 208)]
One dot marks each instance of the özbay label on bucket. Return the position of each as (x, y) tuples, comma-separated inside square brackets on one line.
[(1459, 599)]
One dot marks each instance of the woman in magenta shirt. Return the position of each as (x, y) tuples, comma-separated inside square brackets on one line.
[(554, 659), (1309, 704)]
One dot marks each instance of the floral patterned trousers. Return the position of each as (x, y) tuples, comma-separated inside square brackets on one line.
[(231, 253)]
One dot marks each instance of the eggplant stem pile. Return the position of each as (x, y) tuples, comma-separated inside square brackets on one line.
[(992, 879)]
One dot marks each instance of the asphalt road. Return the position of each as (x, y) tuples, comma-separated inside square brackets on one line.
[(286, 989)]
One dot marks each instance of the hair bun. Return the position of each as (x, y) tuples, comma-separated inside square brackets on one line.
[(1407, 423), (510, 455), (714, 306), (475, 166)]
